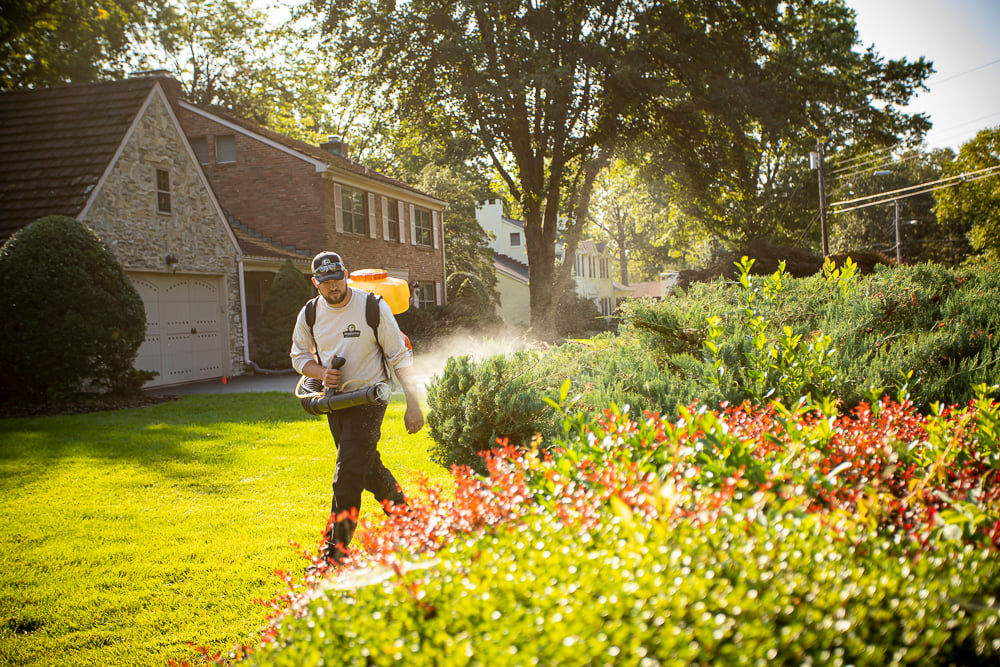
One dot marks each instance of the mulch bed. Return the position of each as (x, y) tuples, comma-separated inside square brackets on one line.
[(79, 404)]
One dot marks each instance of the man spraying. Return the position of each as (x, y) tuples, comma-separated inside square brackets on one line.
[(341, 347)]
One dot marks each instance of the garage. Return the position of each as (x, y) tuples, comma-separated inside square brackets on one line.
[(185, 327)]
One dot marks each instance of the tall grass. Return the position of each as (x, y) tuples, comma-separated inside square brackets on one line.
[(127, 535)]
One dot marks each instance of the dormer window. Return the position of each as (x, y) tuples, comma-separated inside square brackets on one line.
[(515, 239)]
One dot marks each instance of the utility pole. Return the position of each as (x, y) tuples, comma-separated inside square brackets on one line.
[(899, 248), (816, 162)]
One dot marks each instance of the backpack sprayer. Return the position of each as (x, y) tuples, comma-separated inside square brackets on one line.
[(318, 401)]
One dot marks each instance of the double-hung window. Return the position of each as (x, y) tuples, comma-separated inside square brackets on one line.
[(353, 210), (163, 197), (422, 225)]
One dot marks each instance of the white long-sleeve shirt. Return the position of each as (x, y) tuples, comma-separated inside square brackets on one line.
[(344, 332)]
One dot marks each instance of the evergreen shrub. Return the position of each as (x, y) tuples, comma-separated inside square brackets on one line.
[(273, 336), (931, 329), (478, 403), (70, 319)]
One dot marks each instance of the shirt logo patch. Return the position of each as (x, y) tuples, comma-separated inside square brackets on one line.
[(351, 332)]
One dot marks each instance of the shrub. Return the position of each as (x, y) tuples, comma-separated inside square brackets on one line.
[(70, 319), (776, 536), (478, 403), (764, 338), (273, 336)]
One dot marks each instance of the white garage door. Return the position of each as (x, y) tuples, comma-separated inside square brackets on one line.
[(185, 327)]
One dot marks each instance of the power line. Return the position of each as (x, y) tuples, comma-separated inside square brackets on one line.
[(906, 193)]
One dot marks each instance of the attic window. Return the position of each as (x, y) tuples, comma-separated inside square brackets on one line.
[(163, 204), (200, 147), (515, 239), (225, 148)]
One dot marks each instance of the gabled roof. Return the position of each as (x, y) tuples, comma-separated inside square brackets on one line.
[(56, 143)]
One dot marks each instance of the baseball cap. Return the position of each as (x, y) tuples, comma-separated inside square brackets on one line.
[(328, 266)]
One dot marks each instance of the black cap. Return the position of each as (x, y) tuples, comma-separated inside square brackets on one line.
[(328, 266)]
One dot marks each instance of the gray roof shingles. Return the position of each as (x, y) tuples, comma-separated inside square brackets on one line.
[(55, 144)]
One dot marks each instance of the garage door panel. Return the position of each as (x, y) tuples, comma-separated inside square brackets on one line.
[(148, 357), (184, 323)]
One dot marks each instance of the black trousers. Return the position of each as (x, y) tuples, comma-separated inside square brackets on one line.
[(356, 432)]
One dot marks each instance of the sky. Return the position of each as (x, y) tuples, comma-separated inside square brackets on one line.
[(962, 39)]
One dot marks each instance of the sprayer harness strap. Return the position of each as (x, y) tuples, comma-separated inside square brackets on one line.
[(372, 316)]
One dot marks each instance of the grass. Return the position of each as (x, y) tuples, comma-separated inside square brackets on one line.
[(127, 535)]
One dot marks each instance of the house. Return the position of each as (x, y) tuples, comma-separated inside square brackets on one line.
[(591, 271), (289, 199), (202, 209), (656, 289), (114, 156), (510, 260)]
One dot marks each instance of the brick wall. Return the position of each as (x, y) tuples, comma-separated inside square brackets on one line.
[(283, 198), (274, 193)]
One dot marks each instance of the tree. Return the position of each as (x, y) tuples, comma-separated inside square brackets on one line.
[(47, 42), (468, 256), (976, 202), (69, 317), (738, 145), (872, 227), (273, 337), (643, 222), (542, 87)]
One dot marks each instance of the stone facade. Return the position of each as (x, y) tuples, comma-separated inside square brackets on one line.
[(191, 239)]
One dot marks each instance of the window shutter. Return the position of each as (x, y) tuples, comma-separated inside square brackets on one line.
[(371, 216), (435, 226), (385, 218), (400, 210), (437, 293), (413, 224), (338, 209)]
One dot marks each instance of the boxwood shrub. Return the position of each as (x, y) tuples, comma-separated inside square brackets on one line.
[(69, 316)]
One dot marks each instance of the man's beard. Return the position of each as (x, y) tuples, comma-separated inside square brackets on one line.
[(336, 301)]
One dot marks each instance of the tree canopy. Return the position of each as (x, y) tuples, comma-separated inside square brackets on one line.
[(976, 202), (721, 95), (47, 42)]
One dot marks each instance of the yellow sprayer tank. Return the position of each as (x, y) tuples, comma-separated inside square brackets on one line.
[(395, 291)]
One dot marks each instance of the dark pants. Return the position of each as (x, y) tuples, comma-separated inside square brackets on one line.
[(356, 432)]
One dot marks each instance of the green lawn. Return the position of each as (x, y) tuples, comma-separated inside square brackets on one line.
[(127, 534)]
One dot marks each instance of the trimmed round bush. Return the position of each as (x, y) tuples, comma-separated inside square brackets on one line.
[(70, 319)]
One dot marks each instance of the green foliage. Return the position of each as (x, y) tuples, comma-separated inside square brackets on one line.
[(477, 404), (44, 42), (577, 316), (70, 319), (737, 151), (777, 536), (976, 202), (922, 236), (273, 337), (834, 336)]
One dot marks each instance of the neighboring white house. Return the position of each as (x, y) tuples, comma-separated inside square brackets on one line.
[(592, 269)]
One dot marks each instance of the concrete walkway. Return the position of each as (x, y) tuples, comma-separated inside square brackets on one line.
[(241, 383)]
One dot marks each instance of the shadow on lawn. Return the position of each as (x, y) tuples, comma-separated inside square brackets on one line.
[(168, 434)]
